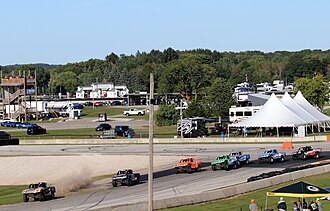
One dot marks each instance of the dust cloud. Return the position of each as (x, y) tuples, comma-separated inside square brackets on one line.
[(74, 182)]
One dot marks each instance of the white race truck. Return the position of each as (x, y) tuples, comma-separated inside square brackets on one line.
[(134, 111)]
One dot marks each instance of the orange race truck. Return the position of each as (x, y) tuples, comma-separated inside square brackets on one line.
[(188, 165)]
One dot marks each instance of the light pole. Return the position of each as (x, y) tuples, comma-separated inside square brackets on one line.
[(151, 147)]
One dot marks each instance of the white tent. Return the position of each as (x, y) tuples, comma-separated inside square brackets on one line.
[(299, 98), (272, 114), (298, 110)]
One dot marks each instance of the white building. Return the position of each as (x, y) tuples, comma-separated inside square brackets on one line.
[(101, 90)]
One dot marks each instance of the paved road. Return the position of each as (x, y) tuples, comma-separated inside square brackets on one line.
[(166, 183)]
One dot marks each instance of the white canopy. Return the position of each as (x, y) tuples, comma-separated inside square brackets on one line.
[(299, 98), (272, 114), (297, 109)]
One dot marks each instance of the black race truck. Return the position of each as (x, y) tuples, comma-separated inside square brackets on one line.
[(126, 177)]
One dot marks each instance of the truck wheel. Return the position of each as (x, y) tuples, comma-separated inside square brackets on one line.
[(176, 170), (114, 184), (25, 198), (226, 166), (41, 196), (199, 168), (304, 157), (52, 195), (260, 161), (214, 168), (317, 156), (139, 114), (127, 114), (282, 159), (238, 163), (189, 169), (271, 160), (235, 166), (247, 161)]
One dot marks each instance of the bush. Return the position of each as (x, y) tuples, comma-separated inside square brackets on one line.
[(166, 115)]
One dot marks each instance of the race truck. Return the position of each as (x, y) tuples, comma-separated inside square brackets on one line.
[(225, 162), (242, 158), (126, 177), (271, 155), (39, 191), (306, 152), (188, 165), (134, 111)]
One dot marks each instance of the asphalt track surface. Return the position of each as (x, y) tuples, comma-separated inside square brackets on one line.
[(166, 183)]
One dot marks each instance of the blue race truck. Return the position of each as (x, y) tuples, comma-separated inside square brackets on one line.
[(271, 155)]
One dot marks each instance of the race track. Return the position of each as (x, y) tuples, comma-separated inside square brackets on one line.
[(166, 183)]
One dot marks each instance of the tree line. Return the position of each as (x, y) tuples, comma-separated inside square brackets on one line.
[(206, 75)]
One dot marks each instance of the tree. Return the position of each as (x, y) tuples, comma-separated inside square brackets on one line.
[(186, 75), (166, 115), (65, 82), (219, 98), (315, 90)]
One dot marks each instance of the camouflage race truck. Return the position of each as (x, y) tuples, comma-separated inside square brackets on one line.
[(39, 191), (225, 162)]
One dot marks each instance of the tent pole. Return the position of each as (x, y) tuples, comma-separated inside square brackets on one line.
[(277, 132), (266, 202)]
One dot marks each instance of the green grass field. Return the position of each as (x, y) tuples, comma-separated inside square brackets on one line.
[(241, 202), (10, 194), (81, 133)]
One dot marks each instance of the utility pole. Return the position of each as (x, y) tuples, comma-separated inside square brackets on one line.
[(24, 101), (151, 147), (181, 123), (36, 92)]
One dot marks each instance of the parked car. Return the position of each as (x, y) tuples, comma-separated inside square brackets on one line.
[(25, 125), (78, 106), (12, 124), (133, 111), (116, 103), (35, 130), (88, 104), (96, 104), (103, 126), (4, 135), (306, 152), (271, 155), (121, 130)]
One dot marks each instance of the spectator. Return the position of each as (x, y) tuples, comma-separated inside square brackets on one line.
[(296, 207), (281, 205), (313, 206), (319, 204), (304, 205), (299, 204), (253, 206)]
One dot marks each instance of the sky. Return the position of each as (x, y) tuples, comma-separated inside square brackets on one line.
[(68, 31)]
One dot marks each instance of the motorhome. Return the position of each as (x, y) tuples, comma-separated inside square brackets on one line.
[(237, 114), (264, 87), (242, 91)]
